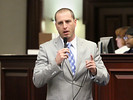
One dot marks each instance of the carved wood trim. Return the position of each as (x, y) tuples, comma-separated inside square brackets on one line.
[(96, 27)]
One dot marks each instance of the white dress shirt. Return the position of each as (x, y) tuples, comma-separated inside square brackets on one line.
[(73, 48), (122, 50)]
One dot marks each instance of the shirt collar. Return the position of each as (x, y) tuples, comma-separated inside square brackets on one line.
[(73, 42)]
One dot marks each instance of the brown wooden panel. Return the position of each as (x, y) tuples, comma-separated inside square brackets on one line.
[(122, 84), (16, 82), (102, 18), (124, 76), (109, 25), (17, 71), (34, 18), (120, 68), (130, 20), (44, 37), (39, 93), (112, 18)]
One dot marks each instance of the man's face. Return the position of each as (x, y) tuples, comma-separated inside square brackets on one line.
[(65, 25), (129, 41)]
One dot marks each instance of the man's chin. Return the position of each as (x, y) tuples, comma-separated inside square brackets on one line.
[(66, 35)]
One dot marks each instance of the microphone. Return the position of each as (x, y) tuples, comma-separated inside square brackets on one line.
[(65, 42)]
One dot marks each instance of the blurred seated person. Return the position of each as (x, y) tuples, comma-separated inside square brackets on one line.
[(121, 43), (129, 40)]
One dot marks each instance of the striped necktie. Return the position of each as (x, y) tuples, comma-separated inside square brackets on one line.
[(71, 58)]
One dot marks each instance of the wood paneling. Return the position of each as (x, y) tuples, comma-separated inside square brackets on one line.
[(34, 18), (120, 87), (13, 80), (17, 71), (102, 18)]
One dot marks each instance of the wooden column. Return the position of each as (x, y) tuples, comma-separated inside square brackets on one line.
[(34, 18)]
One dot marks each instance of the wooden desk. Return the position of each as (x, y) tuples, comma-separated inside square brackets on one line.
[(16, 74), (120, 87)]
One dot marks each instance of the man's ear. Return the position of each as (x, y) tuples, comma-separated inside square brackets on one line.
[(56, 24), (75, 20)]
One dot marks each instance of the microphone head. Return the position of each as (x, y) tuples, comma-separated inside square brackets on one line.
[(65, 40)]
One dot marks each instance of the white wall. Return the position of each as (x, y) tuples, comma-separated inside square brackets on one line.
[(51, 6), (12, 26), (0, 80), (13, 22)]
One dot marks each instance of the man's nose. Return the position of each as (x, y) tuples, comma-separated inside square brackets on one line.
[(64, 25)]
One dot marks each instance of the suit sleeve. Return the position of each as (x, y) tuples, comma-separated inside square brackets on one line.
[(102, 77), (45, 69)]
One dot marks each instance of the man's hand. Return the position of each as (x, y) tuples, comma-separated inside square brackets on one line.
[(91, 66), (61, 55)]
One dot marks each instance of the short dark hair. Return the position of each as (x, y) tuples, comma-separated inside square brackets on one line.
[(65, 9), (129, 31)]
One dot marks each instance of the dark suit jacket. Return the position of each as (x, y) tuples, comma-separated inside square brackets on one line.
[(61, 84), (130, 50)]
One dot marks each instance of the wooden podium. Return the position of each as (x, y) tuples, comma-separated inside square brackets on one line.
[(16, 77), (16, 72), (120, 87)]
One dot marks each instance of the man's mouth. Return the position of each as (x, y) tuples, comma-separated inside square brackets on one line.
[(65, 32)]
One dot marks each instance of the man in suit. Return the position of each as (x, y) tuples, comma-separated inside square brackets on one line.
[(53, 66)]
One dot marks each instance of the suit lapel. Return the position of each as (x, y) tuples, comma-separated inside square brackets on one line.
[(66, 66), (80, 63), (58, 43), (80, 49)]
